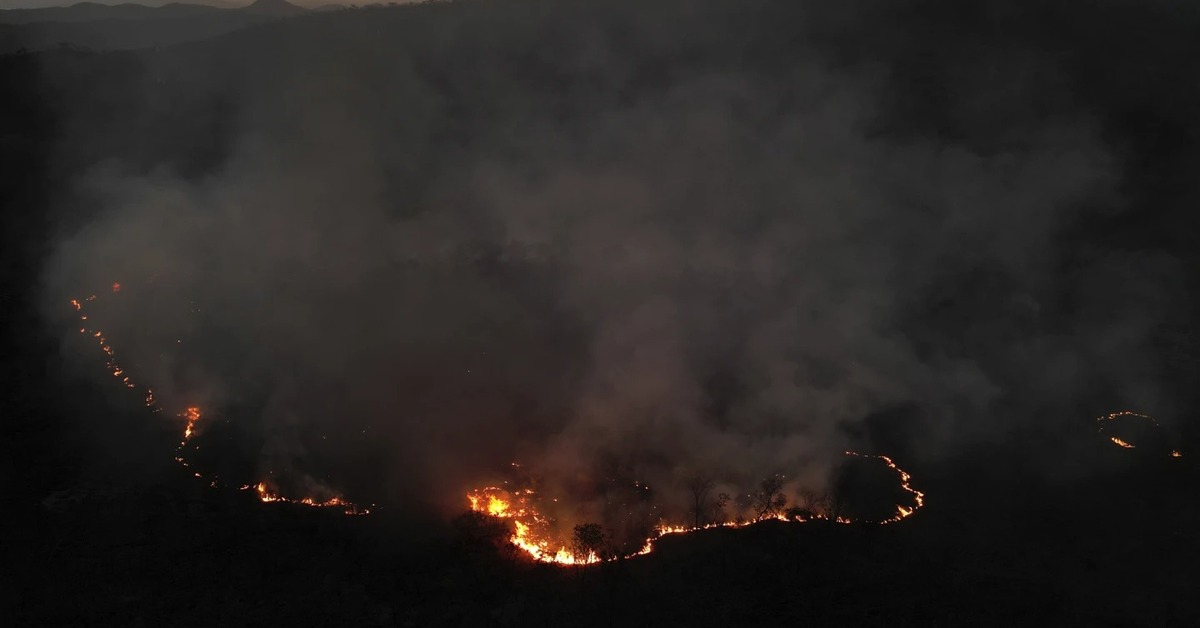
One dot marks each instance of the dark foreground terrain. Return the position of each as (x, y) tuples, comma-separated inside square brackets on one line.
[(1036, 521), (1113, 551)]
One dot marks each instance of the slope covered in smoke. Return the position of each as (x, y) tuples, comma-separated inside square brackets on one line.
[(91, 11), (128, 26), (623, 239)]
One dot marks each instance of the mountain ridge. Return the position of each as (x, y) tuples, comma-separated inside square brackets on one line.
[(90, 11)]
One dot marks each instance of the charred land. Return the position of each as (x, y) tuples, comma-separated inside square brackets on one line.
[(635, 255)]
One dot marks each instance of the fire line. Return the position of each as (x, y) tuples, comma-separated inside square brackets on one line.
[(520, 507), (191, 417)]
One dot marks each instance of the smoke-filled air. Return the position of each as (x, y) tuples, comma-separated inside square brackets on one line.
[(640, 260)]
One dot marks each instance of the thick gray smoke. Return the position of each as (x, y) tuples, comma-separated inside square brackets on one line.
[(639, 240)]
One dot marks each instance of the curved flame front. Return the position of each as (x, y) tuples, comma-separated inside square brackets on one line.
[(191, 417), (529, 524)]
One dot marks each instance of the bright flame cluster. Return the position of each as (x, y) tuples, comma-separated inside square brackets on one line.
[(191, 417), (529, 523)]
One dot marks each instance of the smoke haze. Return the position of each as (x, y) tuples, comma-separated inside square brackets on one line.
[(614, 240)]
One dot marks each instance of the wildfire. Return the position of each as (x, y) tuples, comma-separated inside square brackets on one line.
[(266, 496), (528, 524), (191, 416), (905, 484), (540, 550), (530, 535), (1106, 420), (530, 527), (490, 501), (110, 364)]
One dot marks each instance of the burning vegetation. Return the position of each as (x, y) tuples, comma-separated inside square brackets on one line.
[(267, 496), (1127, 428), (191, 417), (538, 526), (535, 527)]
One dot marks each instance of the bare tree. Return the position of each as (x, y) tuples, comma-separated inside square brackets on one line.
[(700, 489), (716, 508), (769, 500), (835, 504), (811, 505), (810, 499), (588, 539), (829, 504)]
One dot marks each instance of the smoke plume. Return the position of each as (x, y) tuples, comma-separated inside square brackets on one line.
[(609, 241)]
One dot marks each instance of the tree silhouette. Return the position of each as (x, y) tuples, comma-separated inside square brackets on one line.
[(769, 500), (835, 503), (588, 539), (478, 534), (700, 489), (811, 504), (716, 508)]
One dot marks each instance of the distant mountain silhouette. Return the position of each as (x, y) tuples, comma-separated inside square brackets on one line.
[(129, 26), (92, 11), (274, 7)]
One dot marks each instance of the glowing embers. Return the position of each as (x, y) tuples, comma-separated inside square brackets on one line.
[(902, 511), (533, 529), (191, 417), (1128, 430), (267, 496), (110, 363)]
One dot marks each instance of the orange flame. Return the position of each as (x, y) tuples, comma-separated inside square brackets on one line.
[(1120, 442), (905, 483), (192, 416), (519, 506), (267, 496)]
